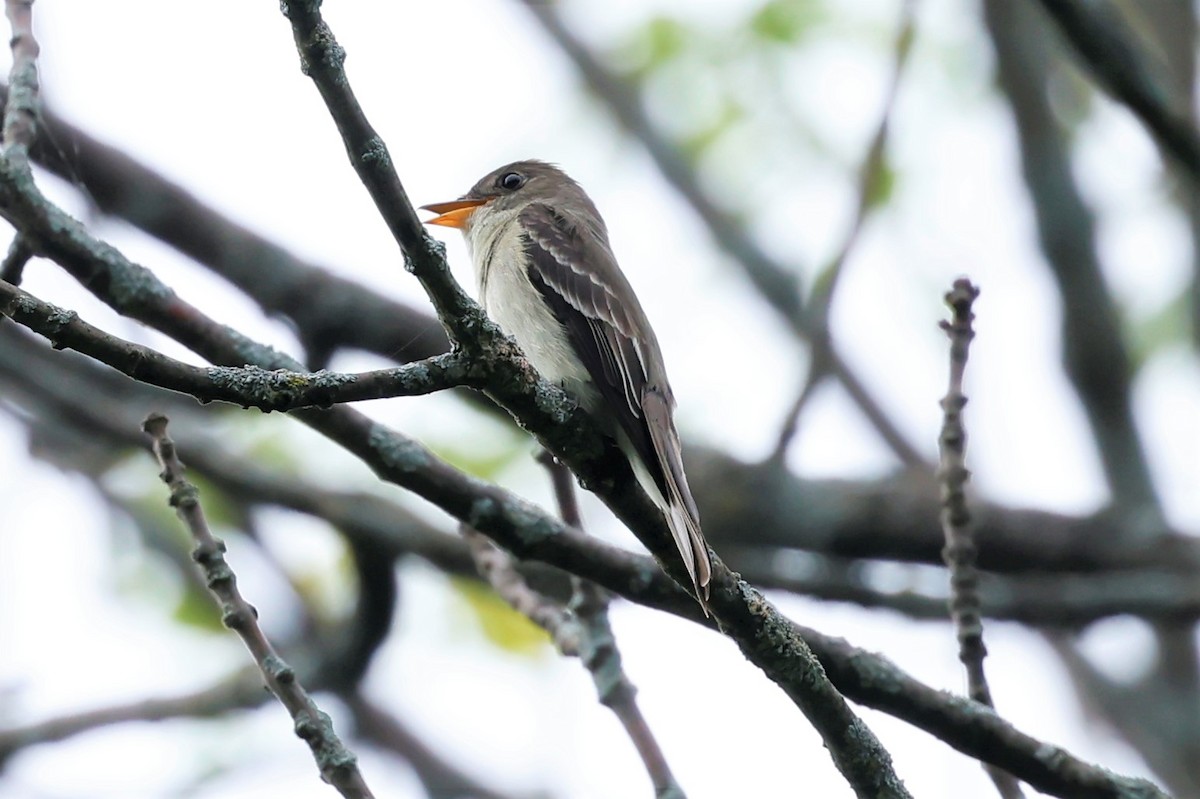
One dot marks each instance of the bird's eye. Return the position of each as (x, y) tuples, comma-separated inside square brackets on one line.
[(511, 181)]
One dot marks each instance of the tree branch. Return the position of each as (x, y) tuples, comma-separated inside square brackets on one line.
[(598, 647), (819, 307), (777, 283), (519, 526), (440, 779), (337, 765), (959, 553), (1095, 356), (238, 691), (744, 613), (865, 677), (21, 111), (249, 386), (1107, 47)]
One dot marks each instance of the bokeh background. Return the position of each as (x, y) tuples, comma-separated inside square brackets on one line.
[(867, 150)]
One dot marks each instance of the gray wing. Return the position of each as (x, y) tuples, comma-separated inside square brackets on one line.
[(600, 327), (614, 341)]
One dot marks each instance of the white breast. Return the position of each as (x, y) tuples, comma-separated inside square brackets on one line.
[(513, 303)]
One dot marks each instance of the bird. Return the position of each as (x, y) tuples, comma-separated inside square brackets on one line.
[(546, 274)]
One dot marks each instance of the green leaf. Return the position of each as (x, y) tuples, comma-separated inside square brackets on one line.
[(664, 39), (1162, 328), (786, 21), (656, 43), (499, 623), (881, 184), (197, 609), (484, 457), (696, 144)]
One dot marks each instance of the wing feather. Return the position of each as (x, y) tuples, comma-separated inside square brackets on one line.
[(597, 323), (578, 277)]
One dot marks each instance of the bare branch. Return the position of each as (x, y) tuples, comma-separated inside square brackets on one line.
[(599, 651), (337, 765), (1095, 355), (238, 691), (959, 553), (440, 779), (777, 283), (1108, 48), (13, 267), (249, 386), (864, 676), (497, 568), (744, 613), (585, 634), (870, 175)]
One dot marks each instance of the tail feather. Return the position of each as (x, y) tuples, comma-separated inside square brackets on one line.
[(676, 501)]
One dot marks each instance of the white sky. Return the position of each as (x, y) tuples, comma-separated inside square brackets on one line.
[(213, 98)]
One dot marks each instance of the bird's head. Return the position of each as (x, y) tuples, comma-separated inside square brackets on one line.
[(509, 188)]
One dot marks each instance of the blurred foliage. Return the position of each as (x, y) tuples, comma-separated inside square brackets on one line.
[(786, 21), (1072, 96), (880, 184), (196, 609), (744, 96), (1161, 329), (498, 622), (702, 78), (485, 457)]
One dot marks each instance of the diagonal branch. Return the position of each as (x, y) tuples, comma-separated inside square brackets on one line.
[(777, 283), (530, 533), (21, 112), (338, 766), (240, 690), (758, 627), (819, 307), (599, 652), (1109, 50), (1095, 356), (866, 677)]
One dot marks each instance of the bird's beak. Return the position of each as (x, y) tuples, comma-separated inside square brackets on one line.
[(454, 213)]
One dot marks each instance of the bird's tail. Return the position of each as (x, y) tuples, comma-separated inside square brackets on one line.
[(676, 501)]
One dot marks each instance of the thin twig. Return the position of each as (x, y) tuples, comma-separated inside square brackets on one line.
[(776, 282), (337, 764), (870, 175), (496, 566), (598, 647), (578, 633), (441, 780), (959, 553), (241, 690), (817, 372), (960, 549), (755, 623), (871, 170)]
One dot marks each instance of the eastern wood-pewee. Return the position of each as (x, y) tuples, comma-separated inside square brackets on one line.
[(546, 274)]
